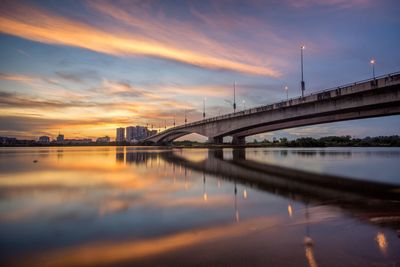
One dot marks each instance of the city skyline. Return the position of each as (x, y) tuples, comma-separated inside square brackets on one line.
[(88, 68)]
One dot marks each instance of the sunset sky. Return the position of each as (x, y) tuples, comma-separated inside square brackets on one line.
[(86, 67)]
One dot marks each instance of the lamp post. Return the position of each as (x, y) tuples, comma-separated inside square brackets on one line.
[(287, 92), (244, 104), (185, 117), (234, 97), (204, 108), (302, 77), (174, 119), (372, 61)]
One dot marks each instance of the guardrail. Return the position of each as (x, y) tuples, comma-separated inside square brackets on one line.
[(284, 103)]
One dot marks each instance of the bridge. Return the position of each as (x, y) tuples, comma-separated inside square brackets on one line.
[(364, 99)]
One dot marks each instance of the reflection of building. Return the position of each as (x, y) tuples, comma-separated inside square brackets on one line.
[(120, 137), (104, 139), (133, 157), (44, 139), (119, 154)]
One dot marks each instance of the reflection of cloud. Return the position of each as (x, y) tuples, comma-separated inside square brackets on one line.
[(115, 252), (43, 26)]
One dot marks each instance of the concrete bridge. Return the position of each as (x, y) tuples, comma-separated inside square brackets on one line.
[(364, 99)]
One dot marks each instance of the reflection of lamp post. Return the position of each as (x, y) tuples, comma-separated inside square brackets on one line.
[(308, 242), (205, 197), (290, 210), (302, 78), (236, 207), (382, 243)]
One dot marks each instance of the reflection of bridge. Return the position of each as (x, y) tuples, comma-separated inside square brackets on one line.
[(365, 99), (374, 201)]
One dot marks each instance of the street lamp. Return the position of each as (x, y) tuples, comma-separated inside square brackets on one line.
[(204, 108), (244, 104), (185, 117), (302, 77), (372, 61), (287, 92), (174, 119), (234, 97)]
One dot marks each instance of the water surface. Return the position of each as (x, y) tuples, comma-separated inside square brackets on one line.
[(90, 206)]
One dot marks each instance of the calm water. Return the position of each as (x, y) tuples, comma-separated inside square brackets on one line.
[(91, 206)]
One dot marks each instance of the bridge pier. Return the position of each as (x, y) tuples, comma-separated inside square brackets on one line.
[(238, 140), (216, 140)]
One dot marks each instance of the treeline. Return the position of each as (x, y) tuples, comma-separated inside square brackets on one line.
[(334, 141)]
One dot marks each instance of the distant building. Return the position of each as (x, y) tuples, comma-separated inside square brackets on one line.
[(142, 132), (120, 137), (7, 140), (60, 138), (77, 141), (44, 139), (131, 134), (104, 139), (137, 133)]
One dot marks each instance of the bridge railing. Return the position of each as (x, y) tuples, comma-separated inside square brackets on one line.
[(314, 96)]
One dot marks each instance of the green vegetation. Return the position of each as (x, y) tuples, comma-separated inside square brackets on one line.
[(333, 141)]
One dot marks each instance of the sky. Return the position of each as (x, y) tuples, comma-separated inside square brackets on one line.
[(84, 68)]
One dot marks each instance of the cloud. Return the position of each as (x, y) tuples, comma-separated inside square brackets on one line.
[(77, 76), (331, 3), (17, 77), (39, 25)]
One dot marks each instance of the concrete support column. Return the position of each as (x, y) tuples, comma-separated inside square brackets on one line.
[(238, 140), (216, 140)]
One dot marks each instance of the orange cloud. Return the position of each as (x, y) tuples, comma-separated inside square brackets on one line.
[(43, 26)]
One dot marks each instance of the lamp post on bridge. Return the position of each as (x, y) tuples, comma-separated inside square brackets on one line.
[(234, 97), (204, 108), (372, 61), (287, 92), (185, 117), (302, 77)]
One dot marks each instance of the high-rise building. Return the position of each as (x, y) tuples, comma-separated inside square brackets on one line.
[(131, 134), (142, 132), (120, 137)]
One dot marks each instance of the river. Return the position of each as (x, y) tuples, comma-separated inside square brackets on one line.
[(138, 206)]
